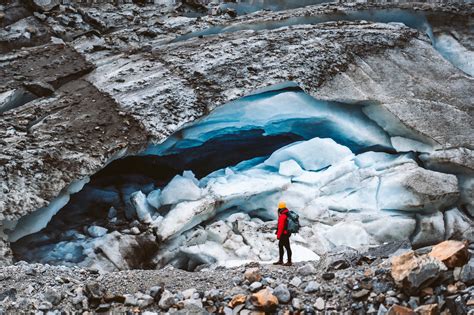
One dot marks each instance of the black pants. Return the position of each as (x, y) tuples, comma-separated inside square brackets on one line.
[(284, 242)]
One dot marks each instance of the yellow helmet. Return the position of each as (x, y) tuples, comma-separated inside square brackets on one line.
[(281, 205)]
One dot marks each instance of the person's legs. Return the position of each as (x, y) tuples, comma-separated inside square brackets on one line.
[(288, 248), (281, 250), (281, 245)]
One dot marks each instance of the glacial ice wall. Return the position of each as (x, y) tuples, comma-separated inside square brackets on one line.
[(353, 182)]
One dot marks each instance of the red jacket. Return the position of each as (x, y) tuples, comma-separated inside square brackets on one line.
[(282, 217)]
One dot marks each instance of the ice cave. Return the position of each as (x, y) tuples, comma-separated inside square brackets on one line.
[(205, 194)]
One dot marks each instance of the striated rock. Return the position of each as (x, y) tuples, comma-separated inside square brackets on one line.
[(413, 273), (264, 300), (39, 88), (451, 253)]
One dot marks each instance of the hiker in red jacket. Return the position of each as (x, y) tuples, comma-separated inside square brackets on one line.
[(283, 235)]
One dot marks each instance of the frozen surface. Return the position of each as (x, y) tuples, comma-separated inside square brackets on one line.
[(455, 52), (180, 188), (312, 155), (281, 112), (290, 168), (37, 220), (142, 207)]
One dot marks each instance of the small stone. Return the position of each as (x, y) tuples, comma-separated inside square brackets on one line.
[(400, 310), (296, 281), (254, 287), (426, 291), (319, 304), (467, 273), (52, 296), (156, 291), (382, 310), (237, 300), (306, 270), (328, 275), (144, 300), (296, 303), (311, 287), (102, 308), (360, 294), (252, 275), (134, 230), (188, 293), (451, 289), (167, 300), (130, 300), (282, 293), (264, 300), (45, 306), (428, 309)]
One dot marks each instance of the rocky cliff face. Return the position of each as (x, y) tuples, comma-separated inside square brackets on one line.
[(84, 86)]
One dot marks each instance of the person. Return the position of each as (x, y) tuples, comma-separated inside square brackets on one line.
[(283, 235)]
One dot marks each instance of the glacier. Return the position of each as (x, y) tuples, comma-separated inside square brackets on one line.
[(207, 194)]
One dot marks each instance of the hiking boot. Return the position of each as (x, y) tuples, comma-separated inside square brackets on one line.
[(278, 262), (288, 264)]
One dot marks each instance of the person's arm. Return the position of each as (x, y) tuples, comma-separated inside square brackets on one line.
[(281, 225)]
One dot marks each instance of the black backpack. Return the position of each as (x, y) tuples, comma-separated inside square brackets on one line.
[(292, 222)]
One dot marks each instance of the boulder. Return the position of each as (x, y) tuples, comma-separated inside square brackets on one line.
[(412, 272), (264, 300), (451, 253)]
